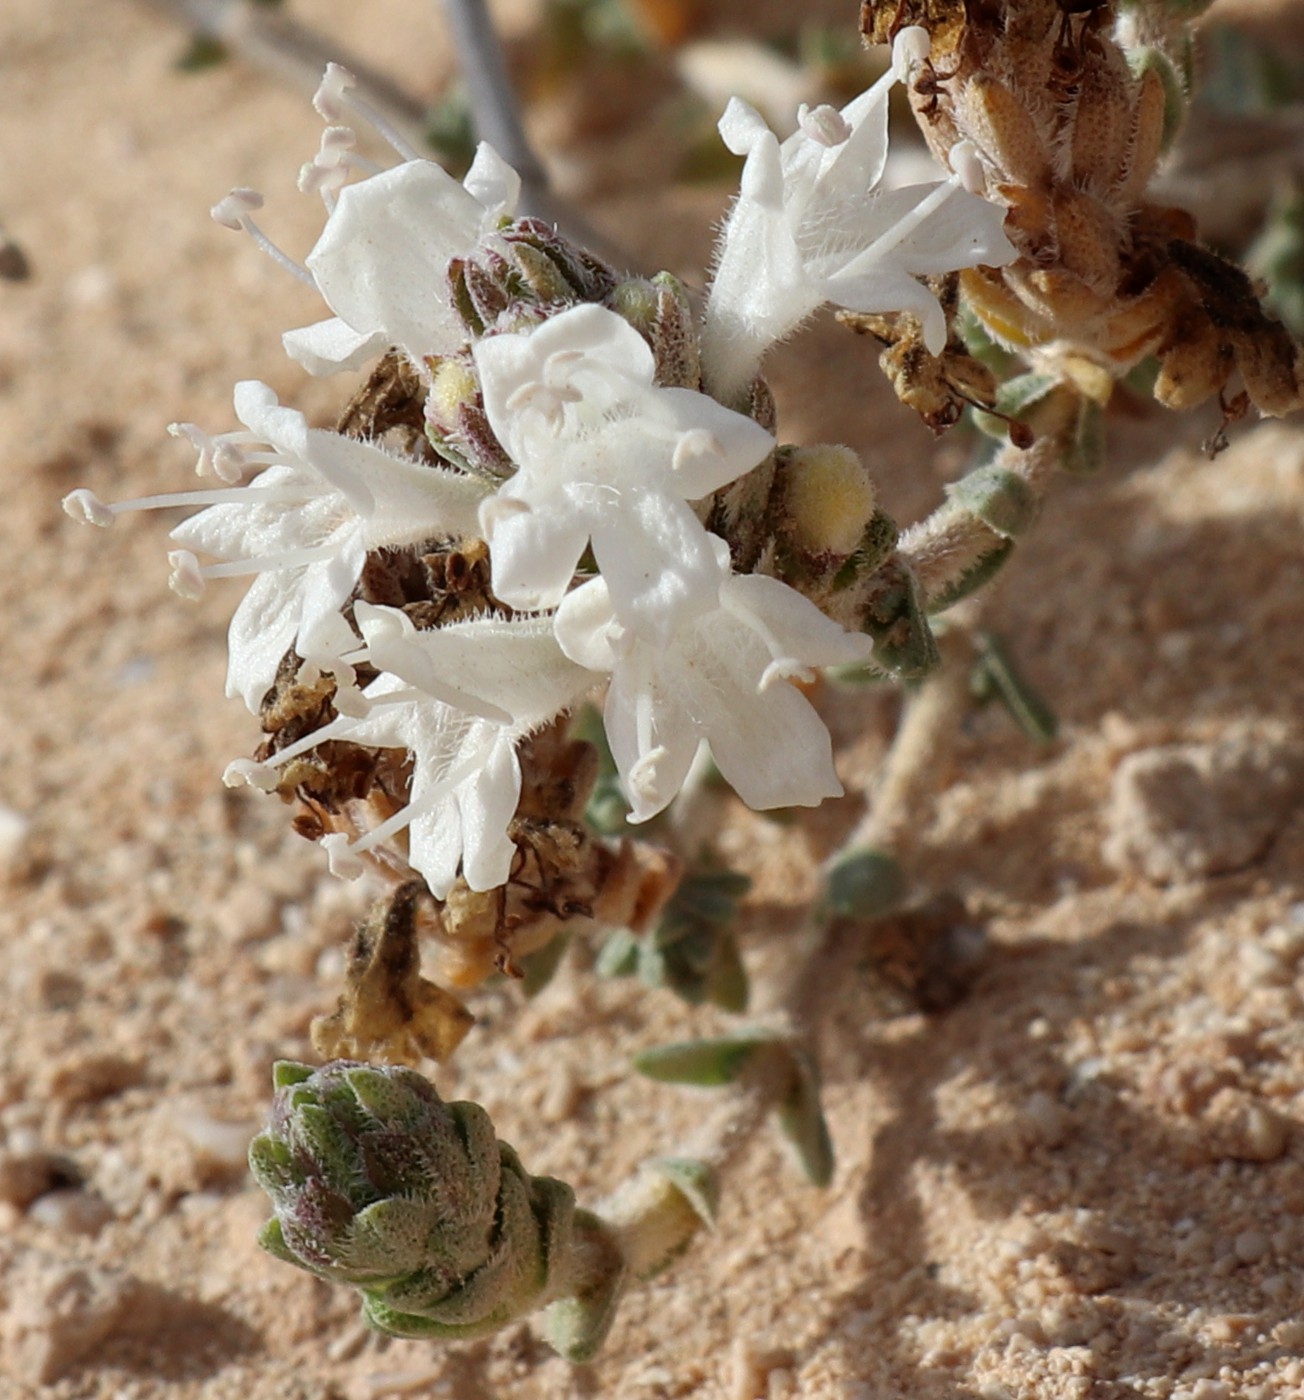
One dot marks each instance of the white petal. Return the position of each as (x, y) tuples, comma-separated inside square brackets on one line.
[(774, 751), (742, 126), (534, 554), (738, 443), (510, 364), (582, 625), (492, 182), (797, 626), (657, 560), (435, 843), (382, 259), (262, 631), (326, 347), (488, 803), (672, 741), (403, 502)]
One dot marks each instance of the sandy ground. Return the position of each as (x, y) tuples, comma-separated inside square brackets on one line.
[(1086, 1180)]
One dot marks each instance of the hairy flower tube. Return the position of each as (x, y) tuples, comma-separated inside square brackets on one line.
[(809, 227), (458, 699), (605, 456), (723, 676), (304, 527)]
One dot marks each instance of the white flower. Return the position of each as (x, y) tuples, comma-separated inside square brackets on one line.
[(382, 260), (304, 527), (809, 227), (458, 698), (604, 455), (723, 677)]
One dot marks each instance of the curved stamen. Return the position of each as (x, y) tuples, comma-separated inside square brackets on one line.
[(234, 211), (84, 504), (335, 98)]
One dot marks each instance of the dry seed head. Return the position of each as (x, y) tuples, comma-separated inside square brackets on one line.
[(1070, 111)]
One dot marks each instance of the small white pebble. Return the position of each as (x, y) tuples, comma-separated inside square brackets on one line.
[(71, 1211), (223, 1145)]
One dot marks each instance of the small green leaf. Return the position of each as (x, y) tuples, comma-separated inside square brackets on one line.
[(1086, 452), (974, 577), (695, 1181), (705, 1063), (863, 884), (540, 967), (894, 619), (801, 1118), (287, 1072), (1001, 499), (997, 677), (619, 955)]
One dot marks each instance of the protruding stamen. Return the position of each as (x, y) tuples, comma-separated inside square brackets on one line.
[(87, 507), (342, 858), (244, 772), (329, 169), (335, 99), (824, 124), (968, 167), (187, 578), (220, 456), (696, 442), (910, 48), (234, 212)]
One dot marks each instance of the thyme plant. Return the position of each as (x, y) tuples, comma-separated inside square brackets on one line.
[(563, 484)]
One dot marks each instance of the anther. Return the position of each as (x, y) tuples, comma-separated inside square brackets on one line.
[(643, 775), (244, 772), (824, 124), (334, 100), (328, 170), (86, 506), (343, 860), (186, 578), (234, 212), (910, 48), (968, 167)]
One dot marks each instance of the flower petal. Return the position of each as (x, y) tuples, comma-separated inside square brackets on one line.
[(328, 346), (382, 259)]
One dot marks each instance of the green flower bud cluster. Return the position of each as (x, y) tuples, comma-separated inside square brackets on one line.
[(376, 1182)]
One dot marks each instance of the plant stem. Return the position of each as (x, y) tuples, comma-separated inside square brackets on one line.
[(497, 118)]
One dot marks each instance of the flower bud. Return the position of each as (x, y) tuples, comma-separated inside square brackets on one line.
[(378, 1183)]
